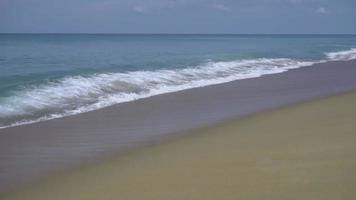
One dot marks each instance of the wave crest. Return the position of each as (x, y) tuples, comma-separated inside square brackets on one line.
[(342, 55), (77, 94)]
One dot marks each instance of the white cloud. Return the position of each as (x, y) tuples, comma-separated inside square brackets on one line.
[(221, 7), (294, 1), (322, 10), (140, 9)]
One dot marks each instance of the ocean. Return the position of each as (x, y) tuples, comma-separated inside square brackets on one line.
[(47, 76)]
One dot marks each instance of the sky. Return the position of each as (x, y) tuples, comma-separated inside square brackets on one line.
[(178, 16)]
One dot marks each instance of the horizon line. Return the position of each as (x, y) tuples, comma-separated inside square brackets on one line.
[(163, 33)]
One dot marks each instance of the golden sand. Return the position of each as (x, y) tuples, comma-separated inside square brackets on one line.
[(306, 151)]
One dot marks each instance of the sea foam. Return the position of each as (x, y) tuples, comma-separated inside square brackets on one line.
[(77, 94), (342, 55)]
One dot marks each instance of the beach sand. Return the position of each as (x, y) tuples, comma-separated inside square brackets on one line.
[(35, 151), (306, 151)]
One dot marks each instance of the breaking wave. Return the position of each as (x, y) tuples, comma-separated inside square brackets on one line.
[(342, 55), (77, 94)]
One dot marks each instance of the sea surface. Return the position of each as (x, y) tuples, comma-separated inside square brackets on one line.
[(46, 76)]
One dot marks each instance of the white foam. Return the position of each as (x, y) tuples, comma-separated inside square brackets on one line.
[(78, 94), (342, 55)]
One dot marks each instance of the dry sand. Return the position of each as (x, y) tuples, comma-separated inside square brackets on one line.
[(306, 151)]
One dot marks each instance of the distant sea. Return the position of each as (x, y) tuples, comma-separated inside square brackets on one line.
[(46, 76)]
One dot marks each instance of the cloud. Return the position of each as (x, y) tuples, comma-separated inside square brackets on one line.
[(155, 6), (140, 9), (294, 1), (107, 5), (322, 10), (221, 7)]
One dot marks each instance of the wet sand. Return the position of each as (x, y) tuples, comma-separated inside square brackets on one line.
[(299, 152), (34, 151)]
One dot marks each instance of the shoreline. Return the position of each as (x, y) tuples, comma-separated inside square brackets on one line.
[(34, 151), (288, 65), (300, 151)]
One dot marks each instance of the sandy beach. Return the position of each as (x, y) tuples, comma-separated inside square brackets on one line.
[(299, 152), (177, 100), (33, 152)]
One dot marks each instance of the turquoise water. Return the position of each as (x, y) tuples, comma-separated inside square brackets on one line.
[(45, 76)]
